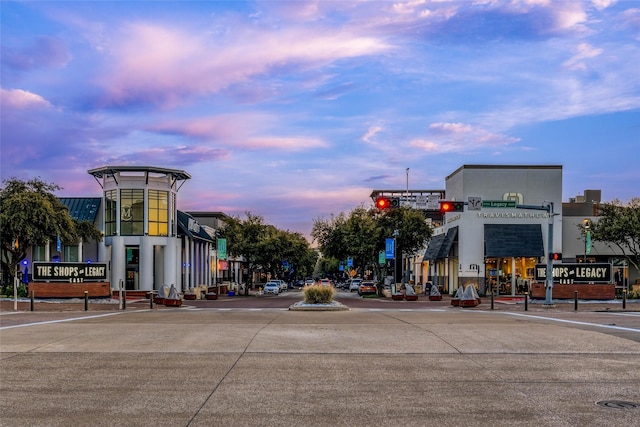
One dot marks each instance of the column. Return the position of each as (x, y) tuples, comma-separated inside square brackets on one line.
[(118, 262), (146, 264), (171, 261)]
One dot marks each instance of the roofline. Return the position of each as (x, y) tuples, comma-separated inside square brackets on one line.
[(502, 167), (103, 171)]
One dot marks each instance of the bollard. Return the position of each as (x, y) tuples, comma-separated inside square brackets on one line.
[(492, 298), (124, 299), (575, 300), (526, 301), (86, 300), (33, 295), (624, 299), (151, 299)]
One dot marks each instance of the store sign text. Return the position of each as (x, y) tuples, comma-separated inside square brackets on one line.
[(72, 272), (576, 273), (513, 215)]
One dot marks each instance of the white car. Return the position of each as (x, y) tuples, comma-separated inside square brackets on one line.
[(354, 285), (283, 285), (271, 288)]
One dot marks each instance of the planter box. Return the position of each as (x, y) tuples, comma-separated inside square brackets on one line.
[(411, 297), (455, 302), (435, 297), (190, 296), (172, 302), (469, 303), (211, 296), (397, 297)]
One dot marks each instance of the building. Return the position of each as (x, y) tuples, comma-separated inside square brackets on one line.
[(491, 242), (147, 242)]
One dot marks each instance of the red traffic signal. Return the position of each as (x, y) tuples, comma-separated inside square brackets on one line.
[(556, 256), (387, 202), (446, 206)]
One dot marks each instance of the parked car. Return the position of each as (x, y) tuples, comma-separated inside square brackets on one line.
[(354, 284), (325, 282), (283, 285), (308, 282), (271, 288), (367, 288)]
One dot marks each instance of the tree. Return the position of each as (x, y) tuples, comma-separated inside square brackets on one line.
[(264, 247), (362, 233), (618, 224), (31, 215)]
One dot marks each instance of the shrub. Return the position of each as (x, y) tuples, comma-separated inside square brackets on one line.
[(314, 294)]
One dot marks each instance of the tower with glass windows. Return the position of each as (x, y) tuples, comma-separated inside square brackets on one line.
[(140, 225)]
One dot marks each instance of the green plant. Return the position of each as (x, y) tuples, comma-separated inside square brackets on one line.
[(314, 294)]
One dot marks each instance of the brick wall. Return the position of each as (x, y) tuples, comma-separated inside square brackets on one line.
[(603, 292)]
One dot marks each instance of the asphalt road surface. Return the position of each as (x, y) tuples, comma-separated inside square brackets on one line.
[(250, 361)]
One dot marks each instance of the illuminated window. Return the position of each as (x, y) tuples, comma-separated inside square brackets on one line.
[(131, 212), (158, 212)]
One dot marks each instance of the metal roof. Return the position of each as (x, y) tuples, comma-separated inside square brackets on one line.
[(103, 171), (82, 208)]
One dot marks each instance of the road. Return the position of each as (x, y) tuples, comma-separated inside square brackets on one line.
[(386, 364)]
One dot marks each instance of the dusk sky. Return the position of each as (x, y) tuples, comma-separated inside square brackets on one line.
[(294, 110)]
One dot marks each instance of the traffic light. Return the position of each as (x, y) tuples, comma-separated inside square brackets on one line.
[(383, 203), (556, 256), (447, 206)]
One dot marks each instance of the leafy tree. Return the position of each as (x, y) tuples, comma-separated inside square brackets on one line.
[(31, 215), (361, 234), (263, 247), (618, 225)]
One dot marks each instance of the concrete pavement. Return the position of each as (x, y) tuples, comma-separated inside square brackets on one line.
[(259, 367)]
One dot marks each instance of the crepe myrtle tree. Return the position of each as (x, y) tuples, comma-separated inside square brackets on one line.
[(31, 215), (618, 225)]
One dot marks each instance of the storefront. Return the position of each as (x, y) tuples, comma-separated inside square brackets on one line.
[(494, 241)]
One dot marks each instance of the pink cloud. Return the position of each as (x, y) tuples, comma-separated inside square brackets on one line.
[(460, 138), (23, 100), (167, 65)]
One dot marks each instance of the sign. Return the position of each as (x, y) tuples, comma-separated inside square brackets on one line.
[(222, 248), (587, 243), (475, 203), (349, 262), (433, 202), (576, 273), (389, 251), (382, 259), (72, 272), (498, 203)]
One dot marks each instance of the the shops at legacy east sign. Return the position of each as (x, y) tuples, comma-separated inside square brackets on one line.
[(72, 272), (576, 273)]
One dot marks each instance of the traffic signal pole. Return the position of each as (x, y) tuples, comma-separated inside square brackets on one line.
[(549, 279)]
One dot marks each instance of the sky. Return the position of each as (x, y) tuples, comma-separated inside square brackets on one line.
[(297, 110)]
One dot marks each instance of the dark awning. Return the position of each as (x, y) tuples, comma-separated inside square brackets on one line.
[(448, 242), (513, 240), (433, 249), (189, 226)]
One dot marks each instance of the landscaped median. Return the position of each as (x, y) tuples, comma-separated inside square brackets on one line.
[(318, 298)]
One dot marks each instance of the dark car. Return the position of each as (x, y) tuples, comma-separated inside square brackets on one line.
[(367, 288)]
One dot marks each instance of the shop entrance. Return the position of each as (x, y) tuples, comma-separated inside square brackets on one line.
[(510, 275), (133, 268)]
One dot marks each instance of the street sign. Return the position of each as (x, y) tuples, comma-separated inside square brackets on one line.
[(576, 273), (390, 245), (475, 203), (381, 258), (498, 203)]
